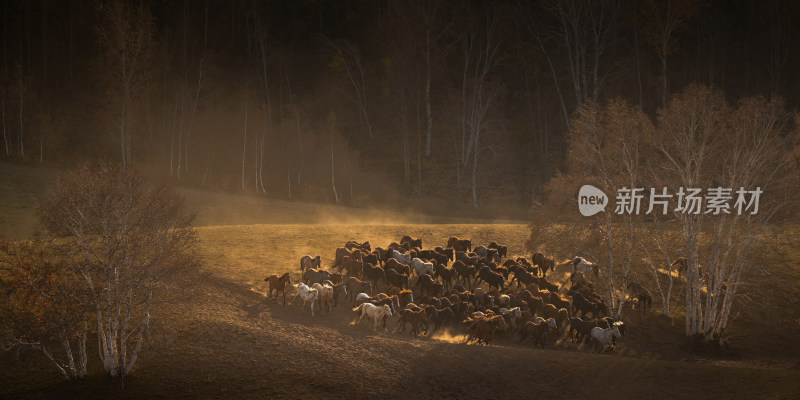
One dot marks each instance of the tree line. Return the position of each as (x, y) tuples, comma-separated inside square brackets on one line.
[(460, 100), (707, 250)]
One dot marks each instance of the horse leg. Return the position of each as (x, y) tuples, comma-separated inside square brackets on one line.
[(375, 323), (284, 296)]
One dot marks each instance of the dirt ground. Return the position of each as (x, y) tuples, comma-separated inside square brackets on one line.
[(216, 335)]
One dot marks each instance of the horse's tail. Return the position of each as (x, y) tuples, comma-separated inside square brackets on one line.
[(359, 307)]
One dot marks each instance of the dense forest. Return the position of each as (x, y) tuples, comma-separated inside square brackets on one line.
[(361, 100)]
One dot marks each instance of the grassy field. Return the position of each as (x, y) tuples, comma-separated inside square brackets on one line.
[(215, 335)]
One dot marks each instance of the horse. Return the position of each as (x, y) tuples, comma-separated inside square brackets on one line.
[(641, 296), (397, 279), (583, 265), (679, 265), (483, 328), (373, 273), (422, 267), (543, 263), (402, 258), (411, 242), (538, 331), (376, 313), (307, 294), (278, 284), (502, 251), (604, 337), (415, 318), (338, 290), (312, 276), (309, 262), (492, 278), (361, 298), (325, 296)]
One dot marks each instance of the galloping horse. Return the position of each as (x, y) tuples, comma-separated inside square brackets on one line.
[(308, 295), (278, 284)]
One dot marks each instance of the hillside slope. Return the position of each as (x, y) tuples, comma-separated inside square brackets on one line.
[(215, 335)]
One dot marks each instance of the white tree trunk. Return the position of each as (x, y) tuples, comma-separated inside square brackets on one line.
[(56, 363), (289, 181), (333, 173), (261, 164), (475, 153), (404, 137), (5, 133), (300, 146), (428, 91), (21, 121), (244, 144), (194, 112)]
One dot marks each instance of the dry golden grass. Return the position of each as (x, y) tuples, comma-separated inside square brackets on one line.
[(248, 253)]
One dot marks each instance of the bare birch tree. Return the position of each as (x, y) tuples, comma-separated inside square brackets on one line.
[(480, 51), (347, 58), (244, 139), (660, 20), (264, 58), (38, 306), (435, 23), (743, 155), (193, 79), (584, 30), (106, 242), (608, 147), (331, 129), (125, 33)]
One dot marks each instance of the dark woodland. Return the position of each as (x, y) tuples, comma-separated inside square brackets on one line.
[(355, 101)]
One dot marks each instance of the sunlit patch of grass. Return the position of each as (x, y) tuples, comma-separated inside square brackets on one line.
[(248, 253)]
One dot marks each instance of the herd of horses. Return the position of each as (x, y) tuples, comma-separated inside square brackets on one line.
[(479, 289)]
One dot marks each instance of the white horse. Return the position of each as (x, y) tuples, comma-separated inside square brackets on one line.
[(325, 296), (604, 337), (403, 258), (513, 315), (376, 313), (361, 297), (585, 266), (422, 267), (551, 322), (308, 295)]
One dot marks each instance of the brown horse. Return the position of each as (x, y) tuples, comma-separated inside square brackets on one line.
[(278, 284)]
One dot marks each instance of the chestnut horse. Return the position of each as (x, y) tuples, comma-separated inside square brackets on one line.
[(278, 284)]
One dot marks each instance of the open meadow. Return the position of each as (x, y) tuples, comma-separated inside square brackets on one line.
[(216, 335)]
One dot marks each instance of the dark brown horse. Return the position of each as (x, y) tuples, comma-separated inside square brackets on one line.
[(278, 284)]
